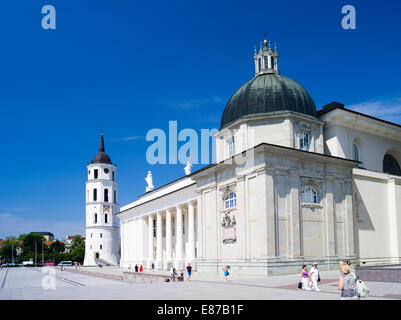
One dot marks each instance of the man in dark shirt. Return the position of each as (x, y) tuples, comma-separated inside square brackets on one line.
[(189, 271), (136, 268)]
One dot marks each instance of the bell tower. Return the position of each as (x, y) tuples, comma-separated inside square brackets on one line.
[(102, 226)]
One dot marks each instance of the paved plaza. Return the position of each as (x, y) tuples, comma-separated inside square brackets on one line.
[(26, 283)]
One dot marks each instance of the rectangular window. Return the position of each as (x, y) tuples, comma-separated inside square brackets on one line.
[(231, 147), (94, 194), (115, 196), (304, 140), (96, 173), (154, 228), (105, 218)]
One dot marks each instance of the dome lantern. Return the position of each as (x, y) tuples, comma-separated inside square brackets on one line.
[(266, 60)]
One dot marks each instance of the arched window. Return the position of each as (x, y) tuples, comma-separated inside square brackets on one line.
[(113, 175), (101, 247), (260, 64), (115, 196), (94, 194), (106, 195), (231, 147), (309, 195), (95, 218), (101, 235), (105, 218), (391, 165), (357, 155), (230, 201), (266, 62), (272, 61), (304, 140)]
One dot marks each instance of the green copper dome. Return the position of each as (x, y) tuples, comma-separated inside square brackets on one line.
[(268, 93)]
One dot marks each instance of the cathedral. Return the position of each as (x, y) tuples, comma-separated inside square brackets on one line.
[(291, 185)]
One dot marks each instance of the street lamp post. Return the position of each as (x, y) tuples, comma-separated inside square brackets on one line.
[(35, 253)]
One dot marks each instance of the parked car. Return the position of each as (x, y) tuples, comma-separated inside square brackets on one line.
[(65, 263), (10, 265), (27, 263)]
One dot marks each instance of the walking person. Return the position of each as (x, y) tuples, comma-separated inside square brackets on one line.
[(136, 268), (226, 273), (347, 284), (189, 271), (173, 273), (140, 268), (153, 266), (351, 267), (314, 277), (305, 278)]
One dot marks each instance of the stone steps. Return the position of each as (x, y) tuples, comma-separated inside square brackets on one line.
[(97, 274)]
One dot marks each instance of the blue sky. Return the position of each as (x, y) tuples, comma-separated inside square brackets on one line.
[(133, 66)]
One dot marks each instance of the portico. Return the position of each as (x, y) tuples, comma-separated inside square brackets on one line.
[(162, 233)]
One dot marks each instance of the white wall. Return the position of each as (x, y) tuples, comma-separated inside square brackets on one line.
[(377, 200), (280, 128), (340, 139)]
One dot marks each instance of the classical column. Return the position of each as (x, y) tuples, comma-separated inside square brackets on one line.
[(178, 243), (169, 256), (150, 242), (123, 240), (159, 241), (191, 233)]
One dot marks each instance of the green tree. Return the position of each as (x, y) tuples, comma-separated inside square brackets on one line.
[(28, 246), (57, 246), (77, 249), (9, 249)]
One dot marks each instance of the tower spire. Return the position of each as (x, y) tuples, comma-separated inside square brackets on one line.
[(101, 146)]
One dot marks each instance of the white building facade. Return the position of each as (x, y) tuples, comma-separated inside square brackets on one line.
[(291, 186), (376, 181), (102, 225)]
